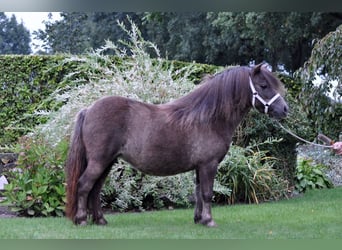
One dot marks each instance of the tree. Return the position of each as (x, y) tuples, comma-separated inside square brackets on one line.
[(70, 34), (78, 32), (14, 37), (283, 39), (325, 62), (178, 35), (280, 38)]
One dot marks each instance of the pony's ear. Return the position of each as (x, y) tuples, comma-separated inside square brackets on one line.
[(257, 68)]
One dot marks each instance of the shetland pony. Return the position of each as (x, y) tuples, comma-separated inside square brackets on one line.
[(193, 132)]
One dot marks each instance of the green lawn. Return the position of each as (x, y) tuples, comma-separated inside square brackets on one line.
[(317, 214)]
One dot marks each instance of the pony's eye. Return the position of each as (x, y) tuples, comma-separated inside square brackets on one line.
[(263, 86)]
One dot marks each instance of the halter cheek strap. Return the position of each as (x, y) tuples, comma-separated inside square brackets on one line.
[(257, 96)]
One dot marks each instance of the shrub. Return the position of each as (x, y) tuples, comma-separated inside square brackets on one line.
[(133, 74), (37, 185), (310, 176), (250, 175)]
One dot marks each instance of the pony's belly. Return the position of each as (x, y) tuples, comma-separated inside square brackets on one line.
[(163, 171), (159, 166), (159, 159)]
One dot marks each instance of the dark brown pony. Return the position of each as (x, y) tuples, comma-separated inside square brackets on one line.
[(191, 133)]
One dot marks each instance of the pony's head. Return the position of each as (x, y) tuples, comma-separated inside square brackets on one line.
[(267, 92)]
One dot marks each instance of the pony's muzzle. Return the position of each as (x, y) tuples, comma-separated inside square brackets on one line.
[(279, 111)]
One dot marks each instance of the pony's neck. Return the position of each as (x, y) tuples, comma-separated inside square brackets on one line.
[(235, 118), (232, 119), (222, 100)]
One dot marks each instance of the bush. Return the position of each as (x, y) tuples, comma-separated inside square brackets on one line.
[(37, 186), (250, 175), (134, 74), (311, 176)]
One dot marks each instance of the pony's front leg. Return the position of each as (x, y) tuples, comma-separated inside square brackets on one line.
[(207, 175), (198, 200)]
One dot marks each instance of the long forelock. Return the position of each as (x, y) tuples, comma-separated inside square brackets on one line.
[(275, 83)]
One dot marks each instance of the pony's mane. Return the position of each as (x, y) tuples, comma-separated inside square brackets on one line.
[(213, 99), (219, 97)]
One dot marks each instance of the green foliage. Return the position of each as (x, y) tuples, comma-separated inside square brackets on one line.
[(323, 101), (75, 42), (77, 32), (14, 37), (310, 176), (37, 185), (219, 38), (250, 175), (25, 81), (326, 57), (228, 38)]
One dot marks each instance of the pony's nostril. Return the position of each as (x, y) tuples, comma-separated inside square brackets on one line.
[(286, 109)]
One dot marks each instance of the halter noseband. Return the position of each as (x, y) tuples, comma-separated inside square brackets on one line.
[(257, 96)]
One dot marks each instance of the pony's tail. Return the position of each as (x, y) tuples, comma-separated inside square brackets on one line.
[(75, 165)]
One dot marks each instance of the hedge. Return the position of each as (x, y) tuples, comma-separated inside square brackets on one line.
[(24, 82)]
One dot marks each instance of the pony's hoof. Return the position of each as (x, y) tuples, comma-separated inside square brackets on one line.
[(101, 222), (210, 223), (80, 221)]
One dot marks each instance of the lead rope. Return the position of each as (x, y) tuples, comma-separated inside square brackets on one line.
[(301, 139)]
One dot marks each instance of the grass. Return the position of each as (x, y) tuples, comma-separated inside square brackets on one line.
[(315, 215)]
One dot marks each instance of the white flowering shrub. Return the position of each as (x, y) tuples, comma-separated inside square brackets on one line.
[(135, 74)]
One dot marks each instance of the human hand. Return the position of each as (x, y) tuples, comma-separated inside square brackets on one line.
[(337, 146)]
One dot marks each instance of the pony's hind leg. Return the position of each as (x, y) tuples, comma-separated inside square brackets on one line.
[(86, 183), (94, 200)]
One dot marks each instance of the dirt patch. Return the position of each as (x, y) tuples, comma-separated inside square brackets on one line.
[(5, 212)]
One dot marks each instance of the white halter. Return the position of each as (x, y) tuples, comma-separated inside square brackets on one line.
[(257, 96)]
